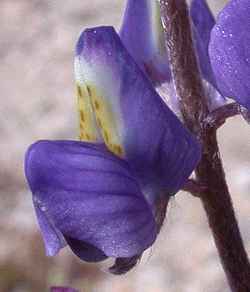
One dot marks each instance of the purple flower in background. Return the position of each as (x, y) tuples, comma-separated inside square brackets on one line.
[(229, 51), (143, 35), (223, 49), (203, 22), (62, 289)]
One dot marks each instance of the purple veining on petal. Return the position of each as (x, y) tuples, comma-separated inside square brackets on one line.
[(91, 197)]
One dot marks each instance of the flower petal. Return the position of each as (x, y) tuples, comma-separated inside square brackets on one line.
[(143, 36), (62, 289), (214, 98), (52, 237), (123, 265), (85, 251), (203, 21), (229, 51), (88, 126), (135, 122), (91, 196)]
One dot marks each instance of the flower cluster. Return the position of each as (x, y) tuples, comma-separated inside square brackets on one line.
[(103, 195)]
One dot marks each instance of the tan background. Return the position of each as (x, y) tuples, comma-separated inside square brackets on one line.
[(37, 101)]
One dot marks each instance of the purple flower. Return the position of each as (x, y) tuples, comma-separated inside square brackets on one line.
[(88, 198), (101, 195), (127, 113), (229, 51), (143, 35), (62, 289), (203, 22)]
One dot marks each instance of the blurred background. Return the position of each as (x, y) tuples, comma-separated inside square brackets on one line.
[(36, 56)]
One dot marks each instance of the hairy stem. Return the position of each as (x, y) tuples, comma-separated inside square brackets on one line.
[(215, 198), (218, 117), (194, 188)]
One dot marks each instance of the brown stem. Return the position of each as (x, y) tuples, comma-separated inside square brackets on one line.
[(194, 188), (183, 62), (218, 205), (218, 117), (216, 198)]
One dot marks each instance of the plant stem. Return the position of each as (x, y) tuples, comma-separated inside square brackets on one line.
[(215, 198), (194, 188), (218, 117)]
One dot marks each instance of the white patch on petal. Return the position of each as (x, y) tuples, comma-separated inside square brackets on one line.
[(103, 89)]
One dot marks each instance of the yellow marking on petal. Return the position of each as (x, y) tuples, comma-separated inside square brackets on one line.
[(82, 137), (89, 90), (96, 104), (79, 91), (88, 127), (99, 123), (106, 136), (106, 120), (82, 116), (118, 150)]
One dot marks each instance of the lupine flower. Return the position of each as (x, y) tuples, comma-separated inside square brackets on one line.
[(101, 195), (229, 51)]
